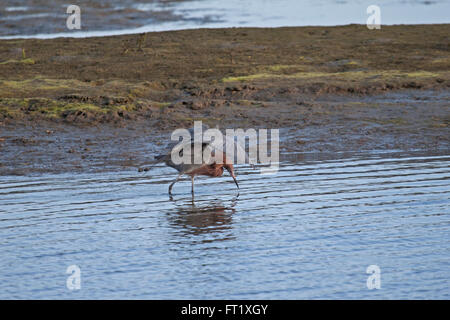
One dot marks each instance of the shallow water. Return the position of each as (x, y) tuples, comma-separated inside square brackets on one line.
[(309, 231), (45, 19)]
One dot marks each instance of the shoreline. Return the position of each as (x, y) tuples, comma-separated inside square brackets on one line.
[(331, 89), (146, 29)]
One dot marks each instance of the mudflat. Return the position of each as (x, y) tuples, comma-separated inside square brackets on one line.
[(111, 102)]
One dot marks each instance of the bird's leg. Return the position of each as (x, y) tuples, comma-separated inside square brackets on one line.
[(171, 185), (192, 190)]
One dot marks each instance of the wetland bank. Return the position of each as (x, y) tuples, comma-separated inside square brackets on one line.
[(110, 102)]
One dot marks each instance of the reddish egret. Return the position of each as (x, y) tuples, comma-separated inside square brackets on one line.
[(207, 169), (210, 168)]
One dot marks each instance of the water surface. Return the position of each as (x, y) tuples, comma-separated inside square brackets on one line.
[(308, 232)]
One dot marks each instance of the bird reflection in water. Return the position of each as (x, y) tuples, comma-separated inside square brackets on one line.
[(210, 218)]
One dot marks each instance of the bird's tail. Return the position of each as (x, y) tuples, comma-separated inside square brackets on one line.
[(158, 159)]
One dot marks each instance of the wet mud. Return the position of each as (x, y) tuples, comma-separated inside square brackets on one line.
[(111, 102)]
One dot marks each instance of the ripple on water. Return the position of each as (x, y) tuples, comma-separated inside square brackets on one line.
[(309, 231)]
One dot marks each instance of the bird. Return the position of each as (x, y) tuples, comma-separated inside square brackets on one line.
[(210, 169), (206, 169)]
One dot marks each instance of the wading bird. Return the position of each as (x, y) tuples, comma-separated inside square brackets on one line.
[(205, 169), (210, 169)]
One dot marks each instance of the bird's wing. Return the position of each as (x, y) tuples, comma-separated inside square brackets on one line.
[(194, 137), (233, 148)]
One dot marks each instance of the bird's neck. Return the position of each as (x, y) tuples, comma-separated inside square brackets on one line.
[(217, 170)]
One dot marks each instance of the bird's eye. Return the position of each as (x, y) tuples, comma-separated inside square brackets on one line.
[(181, 153)]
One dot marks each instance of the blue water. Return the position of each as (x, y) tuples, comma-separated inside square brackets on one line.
[(308, 232)]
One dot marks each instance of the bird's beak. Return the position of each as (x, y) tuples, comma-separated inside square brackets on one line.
[(235, 181), (231, 171)]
